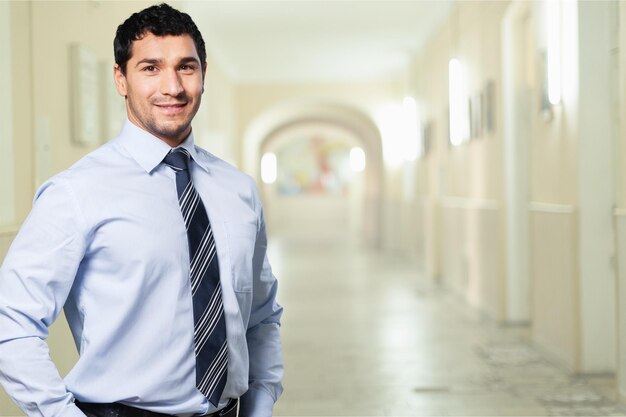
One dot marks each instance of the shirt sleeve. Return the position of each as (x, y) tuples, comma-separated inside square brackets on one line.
[(35, 280), (264, 345)]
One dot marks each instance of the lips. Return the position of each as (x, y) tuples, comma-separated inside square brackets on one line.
[(171, 108)]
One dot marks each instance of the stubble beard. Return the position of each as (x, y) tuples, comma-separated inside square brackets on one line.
[(176, 132), (169, 131)]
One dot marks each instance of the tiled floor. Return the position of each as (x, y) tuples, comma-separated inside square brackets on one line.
[(365, 335)]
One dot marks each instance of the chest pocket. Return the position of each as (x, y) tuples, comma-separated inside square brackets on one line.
[(241, 242)]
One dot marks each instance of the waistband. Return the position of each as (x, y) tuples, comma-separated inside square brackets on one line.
[(122, 410)]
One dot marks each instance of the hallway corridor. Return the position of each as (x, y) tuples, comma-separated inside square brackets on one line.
[(365, 335), (479, 146)]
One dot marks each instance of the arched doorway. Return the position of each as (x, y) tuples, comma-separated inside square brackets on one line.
[(267, 129)]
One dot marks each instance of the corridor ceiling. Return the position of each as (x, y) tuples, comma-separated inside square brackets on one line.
[(315, 41)]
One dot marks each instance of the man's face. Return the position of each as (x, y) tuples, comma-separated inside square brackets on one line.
[(162, 85)]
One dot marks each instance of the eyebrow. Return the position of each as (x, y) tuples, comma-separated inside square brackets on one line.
[(152, 61), (188, 59), (156, 61)]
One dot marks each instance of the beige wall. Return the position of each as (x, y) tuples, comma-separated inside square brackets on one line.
[(472, 34), (555, 303), (461, 188), (620, 214), (21, 63), (553, 143), (620, 154), (553, 199), (570, 160)]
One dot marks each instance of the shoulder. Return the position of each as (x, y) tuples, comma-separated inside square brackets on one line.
[(84, 181), (100, 165), (87, 165), (106, 156)]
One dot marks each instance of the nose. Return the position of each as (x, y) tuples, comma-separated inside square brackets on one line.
[(170, 83)]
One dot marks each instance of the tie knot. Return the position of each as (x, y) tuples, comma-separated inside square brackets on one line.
[(177, 159)]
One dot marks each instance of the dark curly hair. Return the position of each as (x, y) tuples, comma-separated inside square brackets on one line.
[(160, 20)]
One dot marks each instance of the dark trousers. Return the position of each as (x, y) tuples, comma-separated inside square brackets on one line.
[(121, 410)]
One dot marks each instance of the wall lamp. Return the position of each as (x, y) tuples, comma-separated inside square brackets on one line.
[(269, 168), (553, 30), (459, 103)]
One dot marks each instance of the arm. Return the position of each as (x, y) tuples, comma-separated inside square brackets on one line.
[(264, 346), (35, 280)]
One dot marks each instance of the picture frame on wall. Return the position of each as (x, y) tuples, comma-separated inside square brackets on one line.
[(113, 105), (544, 101), (476, 115), (448, 130), (85, 95), (427, 137), (490, 106)]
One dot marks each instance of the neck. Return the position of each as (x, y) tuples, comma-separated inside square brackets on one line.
[(175, 142)]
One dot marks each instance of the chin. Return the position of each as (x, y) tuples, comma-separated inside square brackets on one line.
[(173, 132)]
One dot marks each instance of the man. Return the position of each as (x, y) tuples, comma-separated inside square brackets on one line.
[(157, 251)]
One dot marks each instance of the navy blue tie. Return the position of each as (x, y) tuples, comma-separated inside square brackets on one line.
[(208, 311)]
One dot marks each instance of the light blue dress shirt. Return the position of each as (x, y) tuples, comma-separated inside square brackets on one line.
[(105, 239)]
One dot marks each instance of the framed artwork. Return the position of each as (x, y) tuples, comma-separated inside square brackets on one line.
[(476, 115), (490, 106), (113, 105), (544, 101), (448, 128), (427, 137), (85, 95)]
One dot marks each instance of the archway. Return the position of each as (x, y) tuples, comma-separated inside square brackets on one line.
[(280, 117)]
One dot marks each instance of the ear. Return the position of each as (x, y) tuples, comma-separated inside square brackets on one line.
[(120, 80)]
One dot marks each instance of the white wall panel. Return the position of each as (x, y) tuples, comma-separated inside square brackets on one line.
[(555, 309), (473, 253)]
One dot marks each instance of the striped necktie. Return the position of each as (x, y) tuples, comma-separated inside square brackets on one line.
[(208, 311)]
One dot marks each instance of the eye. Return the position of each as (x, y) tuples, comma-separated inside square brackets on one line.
[(187, 67), (149, 68)]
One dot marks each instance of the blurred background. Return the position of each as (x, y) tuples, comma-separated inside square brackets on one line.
[(442, 182)]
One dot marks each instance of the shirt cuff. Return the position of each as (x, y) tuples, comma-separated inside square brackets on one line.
[(256, 403)]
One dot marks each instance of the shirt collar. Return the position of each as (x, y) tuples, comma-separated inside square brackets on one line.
[(149, 151)]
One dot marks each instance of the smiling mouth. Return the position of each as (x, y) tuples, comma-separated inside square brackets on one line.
[(171, 108)]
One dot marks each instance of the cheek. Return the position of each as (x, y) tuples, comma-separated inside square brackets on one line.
[(194, 87), (140, 90)]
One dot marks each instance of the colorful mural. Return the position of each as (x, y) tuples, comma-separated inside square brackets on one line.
[(313, 164)]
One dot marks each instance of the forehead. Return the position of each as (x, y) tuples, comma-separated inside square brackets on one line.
[(151, 46)]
